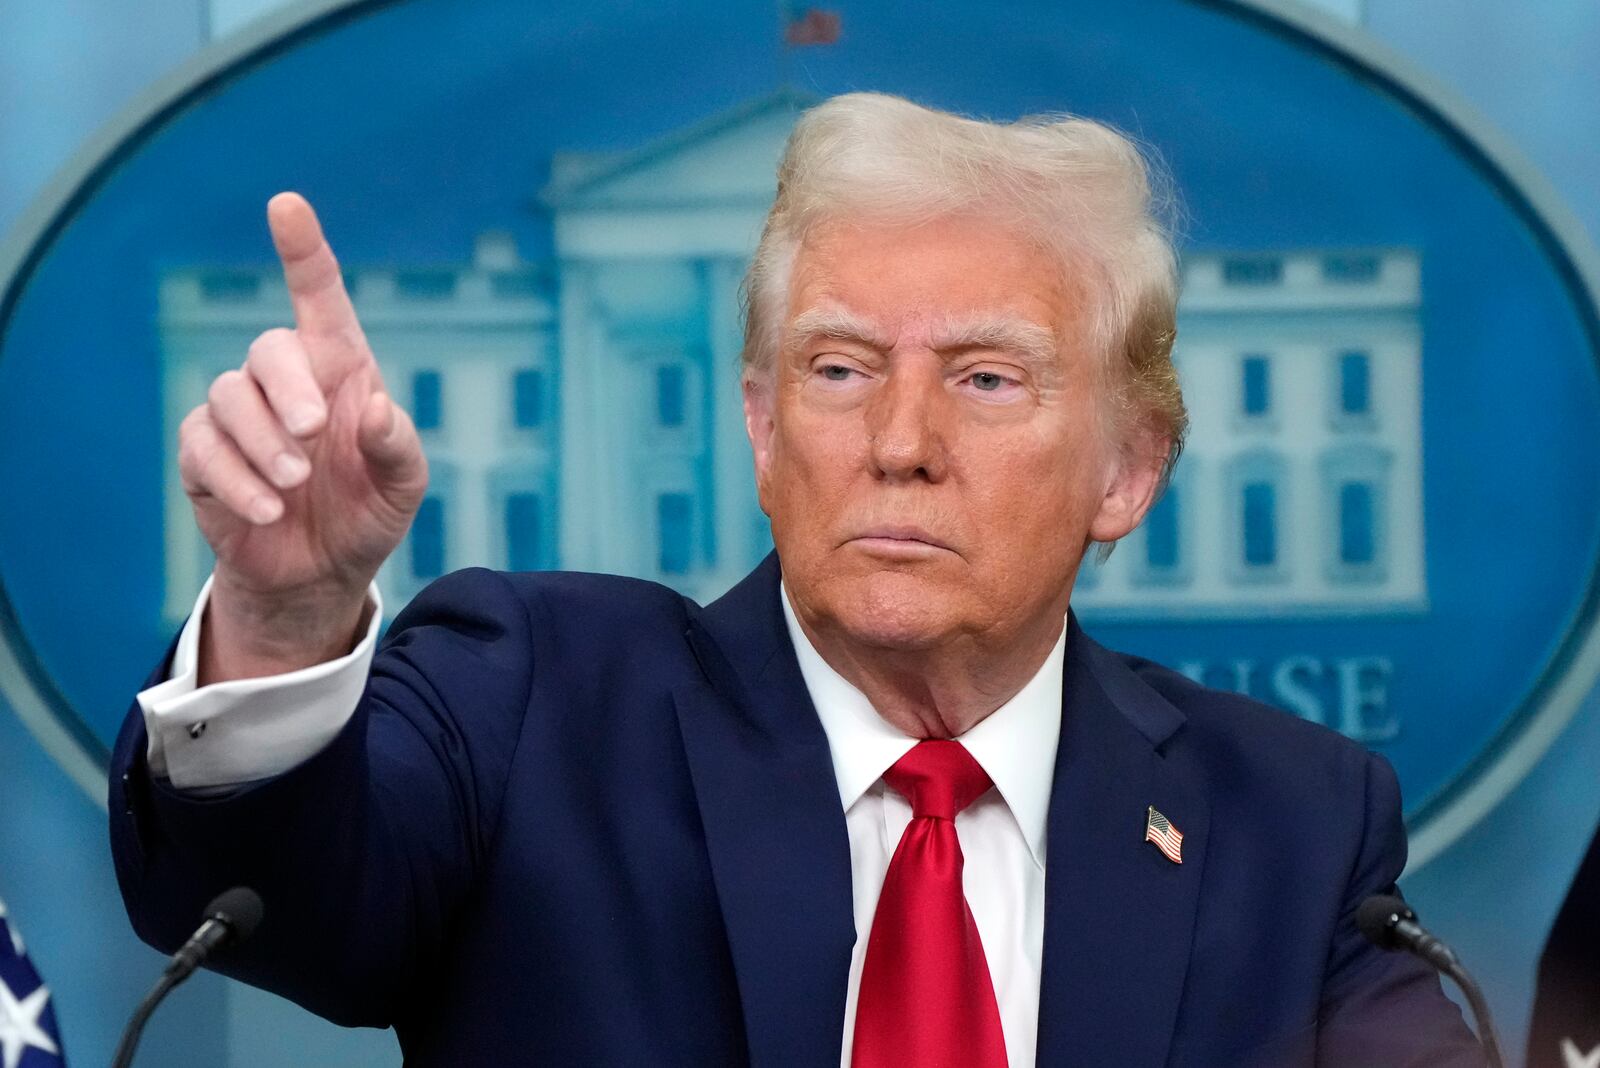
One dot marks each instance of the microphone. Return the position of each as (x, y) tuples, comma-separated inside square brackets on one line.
[(1389, 923), (232, 917)]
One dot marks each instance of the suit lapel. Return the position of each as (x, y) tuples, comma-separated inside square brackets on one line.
[(775, 830), (1119, 915)]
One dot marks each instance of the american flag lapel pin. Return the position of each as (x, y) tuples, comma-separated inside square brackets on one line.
[(1168, 839)]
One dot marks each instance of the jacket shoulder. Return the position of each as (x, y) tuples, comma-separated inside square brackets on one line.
[(603, 605), (1247, 742)]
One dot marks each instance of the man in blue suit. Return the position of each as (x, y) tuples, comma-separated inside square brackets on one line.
[(884, 802)]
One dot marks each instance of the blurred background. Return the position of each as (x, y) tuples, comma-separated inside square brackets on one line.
[(158, 280)]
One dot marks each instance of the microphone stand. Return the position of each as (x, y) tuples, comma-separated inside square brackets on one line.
[(1389, 923), (135, 1029), (1487, 1038), (231, 917)]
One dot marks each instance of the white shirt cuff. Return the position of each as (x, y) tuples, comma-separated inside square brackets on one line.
[(241, 730)]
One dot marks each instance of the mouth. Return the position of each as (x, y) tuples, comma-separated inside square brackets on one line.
[(899, 541)]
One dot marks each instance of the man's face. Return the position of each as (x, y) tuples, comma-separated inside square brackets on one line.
[(930, 444)]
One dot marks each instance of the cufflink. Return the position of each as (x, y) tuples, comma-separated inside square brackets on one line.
[(197, 729)]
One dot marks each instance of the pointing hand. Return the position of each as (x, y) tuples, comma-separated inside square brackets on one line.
[(303, 472)]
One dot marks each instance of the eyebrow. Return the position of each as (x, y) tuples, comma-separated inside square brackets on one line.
[(1008, 333), (838, 324)]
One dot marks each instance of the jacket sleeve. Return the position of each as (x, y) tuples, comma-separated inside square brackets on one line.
[(1380, 1007), (363, 853)]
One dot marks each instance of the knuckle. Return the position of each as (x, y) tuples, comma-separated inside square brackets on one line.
[(196, 432), (268, 344), (187, 463), (193, 460), (197, 435), (212, 471), (198, 417), (225, 387)]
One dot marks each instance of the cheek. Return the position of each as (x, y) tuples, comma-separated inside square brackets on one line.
[(1040, 493), (812, 467)]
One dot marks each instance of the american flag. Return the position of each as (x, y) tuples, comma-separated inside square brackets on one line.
[(815, 27), (28, 1035), (1168, 839)]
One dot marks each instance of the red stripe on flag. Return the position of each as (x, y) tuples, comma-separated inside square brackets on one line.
[(815, 27), (1169, 841)]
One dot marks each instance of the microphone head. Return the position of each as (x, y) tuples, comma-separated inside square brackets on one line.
[(1378, 916), (240, 909)]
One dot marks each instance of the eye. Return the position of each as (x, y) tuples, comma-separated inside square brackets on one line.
[(836, 372), (996, 387)]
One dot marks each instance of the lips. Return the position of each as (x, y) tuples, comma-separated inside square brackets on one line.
[(908, 534)]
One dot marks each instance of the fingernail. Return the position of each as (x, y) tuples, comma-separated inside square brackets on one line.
[(265, 509), (288, 470), (304, 420)]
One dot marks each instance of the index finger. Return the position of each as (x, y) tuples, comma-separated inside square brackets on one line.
[(322, 308)]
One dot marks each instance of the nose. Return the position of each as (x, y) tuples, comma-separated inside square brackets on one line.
[(908, 423)]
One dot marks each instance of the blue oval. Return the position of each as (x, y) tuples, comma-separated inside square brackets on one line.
[(1412, 562)]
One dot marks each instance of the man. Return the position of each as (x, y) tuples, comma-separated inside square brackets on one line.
[(884, 803)]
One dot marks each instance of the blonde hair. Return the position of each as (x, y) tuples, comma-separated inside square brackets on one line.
[(1081, 189)]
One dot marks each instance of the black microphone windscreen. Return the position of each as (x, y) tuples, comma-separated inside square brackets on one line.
[(239, 908), (1376, 918)]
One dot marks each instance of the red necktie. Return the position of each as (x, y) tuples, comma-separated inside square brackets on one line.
[(926, 999)]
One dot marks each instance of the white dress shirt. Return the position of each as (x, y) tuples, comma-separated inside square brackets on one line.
[(233, 732), (1002, 833)]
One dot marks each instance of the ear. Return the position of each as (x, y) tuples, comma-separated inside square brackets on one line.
[(758, 423), (1131, 490)]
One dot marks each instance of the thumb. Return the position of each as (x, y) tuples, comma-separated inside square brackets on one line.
[(389, 443)]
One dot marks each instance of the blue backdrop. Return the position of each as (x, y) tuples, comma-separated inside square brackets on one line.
[(418, 126)]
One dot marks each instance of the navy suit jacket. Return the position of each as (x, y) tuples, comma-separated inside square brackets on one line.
[(578, 819)]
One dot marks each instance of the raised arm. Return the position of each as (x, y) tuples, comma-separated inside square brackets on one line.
[(359, 824), (303, 473)]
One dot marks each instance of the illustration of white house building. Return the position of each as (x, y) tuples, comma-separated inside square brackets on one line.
[(1300, 489), (585, 413)]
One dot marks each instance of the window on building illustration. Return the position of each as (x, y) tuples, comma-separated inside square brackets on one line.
[(229, 285), (675, 532), (427, 400), (1355, 495), (527, 397), (1255, 385), (1252, 270), (1355, 383), (1260, 524), (427, 539), (1356, 522), (670, 394), (524, 518), (512, 285), (1161, 532), (425, 285), (1351, 268)]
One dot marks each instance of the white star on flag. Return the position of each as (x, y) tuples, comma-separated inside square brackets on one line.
[(1574, 1059), (27, 1022), (19, 1025)]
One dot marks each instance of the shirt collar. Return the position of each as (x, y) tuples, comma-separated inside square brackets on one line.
[(1015, 744)]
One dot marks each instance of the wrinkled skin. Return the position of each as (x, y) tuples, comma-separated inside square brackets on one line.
[(933, 479)]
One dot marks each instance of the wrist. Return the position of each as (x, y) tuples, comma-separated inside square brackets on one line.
[(244, 634)]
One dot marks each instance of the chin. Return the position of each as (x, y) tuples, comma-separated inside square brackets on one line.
[(896, 609)]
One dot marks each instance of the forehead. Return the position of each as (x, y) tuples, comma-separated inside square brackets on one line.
[(924, 274)]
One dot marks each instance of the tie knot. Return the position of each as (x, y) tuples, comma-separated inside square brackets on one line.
[(939, 778)]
